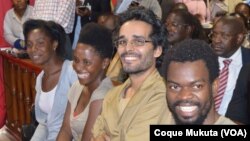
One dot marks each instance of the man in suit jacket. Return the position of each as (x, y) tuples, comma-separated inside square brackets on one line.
[(227, 37)]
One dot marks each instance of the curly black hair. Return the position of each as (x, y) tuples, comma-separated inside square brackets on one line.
[(190, 50), (99, 37), (158, 34)]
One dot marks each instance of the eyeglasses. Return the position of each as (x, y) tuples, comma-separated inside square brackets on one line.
[(174, 24), (135, 42), (224, 36)]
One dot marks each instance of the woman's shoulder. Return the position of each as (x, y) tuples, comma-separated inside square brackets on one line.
[(102, 89)]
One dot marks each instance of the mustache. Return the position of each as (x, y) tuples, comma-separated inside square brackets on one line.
[(133, 54), (190, 102)]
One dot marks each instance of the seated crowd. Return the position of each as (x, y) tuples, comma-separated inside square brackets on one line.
[(124, 68)]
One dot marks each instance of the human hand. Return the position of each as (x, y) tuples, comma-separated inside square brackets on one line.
[(103, 137), (83, 11)]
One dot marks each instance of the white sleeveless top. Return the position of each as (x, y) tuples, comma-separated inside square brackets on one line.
[(47, 100)]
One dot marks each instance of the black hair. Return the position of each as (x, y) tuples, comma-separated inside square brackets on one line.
[(236, 24), (191, 20), (99, 37), (242, 17), (190, 50), (53, 30), (158, 34)]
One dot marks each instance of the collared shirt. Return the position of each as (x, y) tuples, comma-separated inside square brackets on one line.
[(59, 11), (130, 121), (234, 70), (13, 26)]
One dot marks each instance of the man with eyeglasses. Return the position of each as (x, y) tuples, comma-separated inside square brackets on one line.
[(130, 108), (181, 25), (227, 37)]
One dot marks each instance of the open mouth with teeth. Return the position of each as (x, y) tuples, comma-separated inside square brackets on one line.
[(187, 111), (83, 75), (130, 58)]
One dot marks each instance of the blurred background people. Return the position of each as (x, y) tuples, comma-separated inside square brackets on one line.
[(166, 6), (108, 20), (87, 11), (180, 25), (13, 23), (197, 7), (123, 5), (221, 6), (45, 45)]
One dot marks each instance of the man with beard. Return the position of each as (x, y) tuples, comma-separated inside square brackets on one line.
[(130, 108), (191, 78), (227, 37)]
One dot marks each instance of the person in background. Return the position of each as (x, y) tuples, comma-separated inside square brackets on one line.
[(13, 23), (123, 5), (191, 76), (227, 37), (244, 9), (222, 6), (59, 11), (166, 6), (197, 7), (179, 5), (180, 25), (246, 42), (90, 61), (45, 45), (139, 101), (87, 11), (108, 20)]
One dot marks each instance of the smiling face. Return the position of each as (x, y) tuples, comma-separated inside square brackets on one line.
[(137, 59), (40, 47), (189, 91), (177, 30), (88, 64)]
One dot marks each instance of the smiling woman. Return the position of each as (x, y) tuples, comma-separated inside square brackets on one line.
[(90, 61), (45, 46)]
